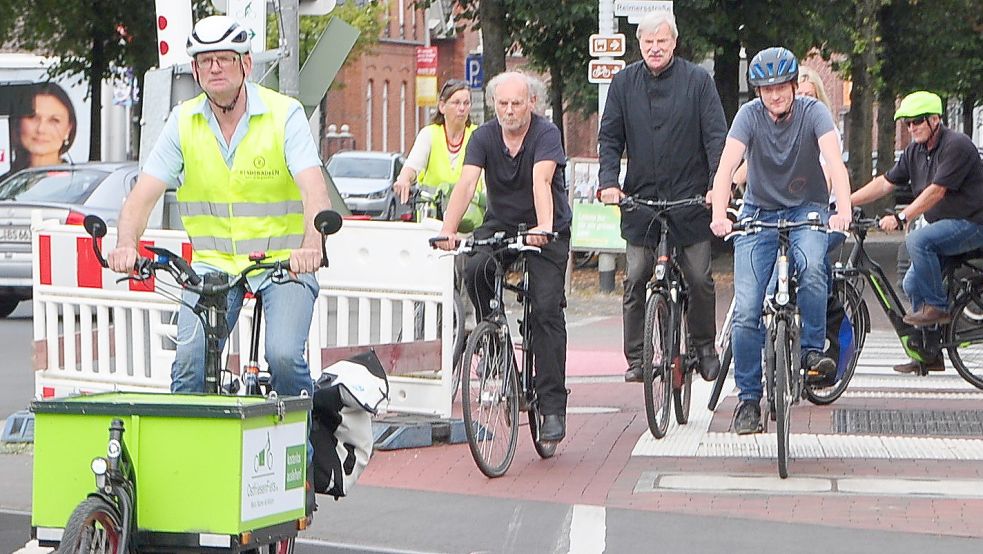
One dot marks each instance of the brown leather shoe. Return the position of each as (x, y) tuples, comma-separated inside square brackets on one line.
[(928, 315), (915, 367)]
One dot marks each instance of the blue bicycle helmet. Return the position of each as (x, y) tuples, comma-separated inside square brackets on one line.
[(772, 66)]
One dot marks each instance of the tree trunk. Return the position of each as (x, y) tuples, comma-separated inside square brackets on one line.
[(969, 103), (885, 131), (726, 75), (491, 13), (556, 97), (862, 95), (94, 74)]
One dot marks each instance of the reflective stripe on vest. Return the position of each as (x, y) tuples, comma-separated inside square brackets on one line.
[(253, 206), (241, 209)]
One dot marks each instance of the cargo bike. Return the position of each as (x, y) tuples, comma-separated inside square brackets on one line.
[(213, 472)]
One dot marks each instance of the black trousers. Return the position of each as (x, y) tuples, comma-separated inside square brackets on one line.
[(694, 261), (546, 274)]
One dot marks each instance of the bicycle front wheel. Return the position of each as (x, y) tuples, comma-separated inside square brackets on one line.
[(682, 375), (490, 399), (94, 527), (657, 355), (460, 342), (783, 393), (964, 339), (855, 308)]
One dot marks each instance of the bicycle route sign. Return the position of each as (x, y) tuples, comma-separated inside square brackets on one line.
[(602, 71)]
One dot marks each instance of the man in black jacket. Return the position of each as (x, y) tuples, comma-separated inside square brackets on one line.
[(665, 110)]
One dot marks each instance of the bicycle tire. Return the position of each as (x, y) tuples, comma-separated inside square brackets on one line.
[(656, 371), (718, 384), (93, 527), (682, 377), (490, 399), (544, 449), (964, 339), (854, 305), (460, 341), (783, 394)]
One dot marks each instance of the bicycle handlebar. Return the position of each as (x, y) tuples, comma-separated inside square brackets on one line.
[(326, 222), (629, 203), (498, 240), (749, 226)]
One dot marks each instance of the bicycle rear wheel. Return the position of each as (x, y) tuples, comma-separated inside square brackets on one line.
[(490, 399), (964, 339), (657, 355), (543, 448), (94, 527), (855, 307), (783, 393), (682, 375)]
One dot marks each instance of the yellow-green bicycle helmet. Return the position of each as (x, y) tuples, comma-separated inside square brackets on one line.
[(918, 104)]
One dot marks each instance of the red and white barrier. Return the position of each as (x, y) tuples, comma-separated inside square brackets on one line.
[(93, 333)]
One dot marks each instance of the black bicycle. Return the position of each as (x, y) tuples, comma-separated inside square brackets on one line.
[(668, 359), (495, 385), (962, 339), (784, 375), (105, 520)]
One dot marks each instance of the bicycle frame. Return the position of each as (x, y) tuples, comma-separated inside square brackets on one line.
[(920, 344)]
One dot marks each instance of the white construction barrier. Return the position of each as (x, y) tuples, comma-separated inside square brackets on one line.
[(92, 333)]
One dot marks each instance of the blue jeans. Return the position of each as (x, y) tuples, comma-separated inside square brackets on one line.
[(287, 309), (754, 261), (927, 247)]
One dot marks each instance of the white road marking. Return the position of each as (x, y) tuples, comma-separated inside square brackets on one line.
[(587, 529)]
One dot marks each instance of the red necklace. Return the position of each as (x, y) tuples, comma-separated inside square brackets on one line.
[(453, 147)]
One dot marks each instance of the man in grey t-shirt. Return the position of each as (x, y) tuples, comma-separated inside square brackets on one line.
[(782, 137)]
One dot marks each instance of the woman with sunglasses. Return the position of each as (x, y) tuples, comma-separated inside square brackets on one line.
[(946, 176), (437, 156)]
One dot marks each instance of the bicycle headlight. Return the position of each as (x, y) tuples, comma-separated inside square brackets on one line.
[(782, 298), (99, 466), (660, 272)]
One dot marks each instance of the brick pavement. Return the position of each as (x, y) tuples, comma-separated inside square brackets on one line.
[(595, 466)]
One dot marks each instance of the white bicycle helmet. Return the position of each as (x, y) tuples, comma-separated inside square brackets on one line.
[(218, 33)]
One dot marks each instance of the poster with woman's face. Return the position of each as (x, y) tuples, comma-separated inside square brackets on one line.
[(41, 122)]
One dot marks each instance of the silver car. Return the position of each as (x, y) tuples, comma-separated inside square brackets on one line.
[(67, 193), (365, 181)]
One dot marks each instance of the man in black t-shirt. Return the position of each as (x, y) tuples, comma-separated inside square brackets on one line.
[(946, 176), (522, 157)]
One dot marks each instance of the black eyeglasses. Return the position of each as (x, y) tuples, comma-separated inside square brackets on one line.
[(915, 121)]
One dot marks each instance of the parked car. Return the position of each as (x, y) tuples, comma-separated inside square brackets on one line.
[(365, 181), (67, 193)]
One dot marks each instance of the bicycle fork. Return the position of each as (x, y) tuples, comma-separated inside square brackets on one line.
[(113, 482)]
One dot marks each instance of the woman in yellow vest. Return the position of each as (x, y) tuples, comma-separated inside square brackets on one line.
[(437, 156)]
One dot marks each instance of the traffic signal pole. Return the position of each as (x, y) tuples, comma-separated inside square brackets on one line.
[(290, 62)]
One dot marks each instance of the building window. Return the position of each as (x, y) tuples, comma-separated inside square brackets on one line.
[(368, 116), (402, 117), (402, 18), (385, 116)]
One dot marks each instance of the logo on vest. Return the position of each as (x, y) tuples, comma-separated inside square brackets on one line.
[(261, 172)]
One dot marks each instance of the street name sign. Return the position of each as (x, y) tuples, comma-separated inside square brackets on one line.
[(636, 9)]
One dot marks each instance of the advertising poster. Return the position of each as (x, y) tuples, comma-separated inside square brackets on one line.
[(46, 122)]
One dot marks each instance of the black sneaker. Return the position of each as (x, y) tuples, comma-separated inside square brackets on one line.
[(747, 417), (819, 368), (709, 363), (633, 375)]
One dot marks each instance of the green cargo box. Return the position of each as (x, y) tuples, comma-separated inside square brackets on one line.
[(206, 465)]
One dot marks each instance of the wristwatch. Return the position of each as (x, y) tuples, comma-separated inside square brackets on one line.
[(902, 218)]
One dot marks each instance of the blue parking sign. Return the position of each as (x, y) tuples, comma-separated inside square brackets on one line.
[(473, 71)]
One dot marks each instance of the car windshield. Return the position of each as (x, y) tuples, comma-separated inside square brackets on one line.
[(359, 168), (65, 186)]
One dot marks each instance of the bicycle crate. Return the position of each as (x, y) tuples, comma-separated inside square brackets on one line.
[(208, 465)]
